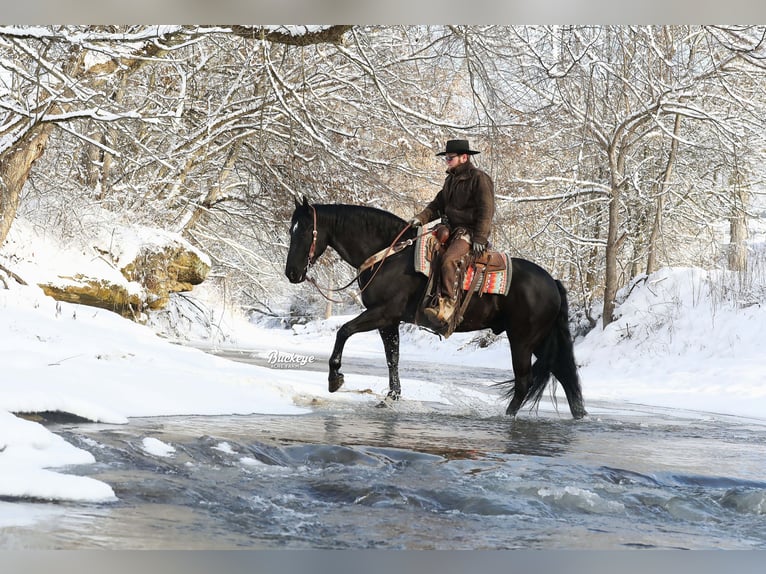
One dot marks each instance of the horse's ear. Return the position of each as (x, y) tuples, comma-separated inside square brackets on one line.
[(297, 204), (305, 202)]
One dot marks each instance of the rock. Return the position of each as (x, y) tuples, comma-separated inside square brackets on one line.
[(101, 293), (123, 268), (160, 261), (162, 270)]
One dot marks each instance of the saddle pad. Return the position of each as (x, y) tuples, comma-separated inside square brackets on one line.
[(497, 283)]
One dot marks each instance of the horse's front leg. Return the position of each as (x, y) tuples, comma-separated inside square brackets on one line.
[(390, 336), (367, 321)]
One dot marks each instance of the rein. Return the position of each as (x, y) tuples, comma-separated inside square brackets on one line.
[(369, 262)]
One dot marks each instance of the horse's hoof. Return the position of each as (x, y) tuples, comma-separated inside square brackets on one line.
[(336, 382), (579, 413), (388, 402)]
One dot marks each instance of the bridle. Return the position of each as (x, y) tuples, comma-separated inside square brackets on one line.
[(366, 265), (313, 248)]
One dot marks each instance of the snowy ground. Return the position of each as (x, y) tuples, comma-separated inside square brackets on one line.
[(677, 344)]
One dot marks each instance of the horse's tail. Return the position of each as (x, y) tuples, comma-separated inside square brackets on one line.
[(555, 355)]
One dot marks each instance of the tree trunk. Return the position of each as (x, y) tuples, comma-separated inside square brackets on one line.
[(737, 256), (15, 165), (214, 194), (91, 157), (654, 237), (612, 242), (612, 247)]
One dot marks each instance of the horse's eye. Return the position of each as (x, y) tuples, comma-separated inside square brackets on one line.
[(299, 229)]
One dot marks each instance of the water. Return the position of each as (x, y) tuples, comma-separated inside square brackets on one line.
[(363, 478)]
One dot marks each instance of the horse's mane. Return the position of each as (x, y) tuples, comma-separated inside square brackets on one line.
[(369, 221)]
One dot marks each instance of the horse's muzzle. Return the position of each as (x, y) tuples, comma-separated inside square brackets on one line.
[(296, 275)]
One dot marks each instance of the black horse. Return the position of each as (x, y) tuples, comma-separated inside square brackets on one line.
[(534, 314)]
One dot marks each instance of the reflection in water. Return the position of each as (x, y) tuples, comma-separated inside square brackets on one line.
[(453, 437), (540, 437)]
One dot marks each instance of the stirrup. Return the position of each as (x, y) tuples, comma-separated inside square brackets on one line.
[(444, 304), (437, 314), (432, 313)]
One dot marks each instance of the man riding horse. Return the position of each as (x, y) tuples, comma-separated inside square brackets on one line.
[(466, 204)]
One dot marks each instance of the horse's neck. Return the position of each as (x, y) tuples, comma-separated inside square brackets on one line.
[(355, 239)]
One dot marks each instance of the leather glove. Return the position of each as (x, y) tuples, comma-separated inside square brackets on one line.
[(415, 222), (478, 248)]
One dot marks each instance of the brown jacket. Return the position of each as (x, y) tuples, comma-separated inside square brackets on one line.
[(467, 199)]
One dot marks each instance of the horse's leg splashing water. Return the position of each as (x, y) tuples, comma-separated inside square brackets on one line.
[(390, 336), (367, 321)]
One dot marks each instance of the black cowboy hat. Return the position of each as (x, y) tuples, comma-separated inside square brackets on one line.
[(458, 147)]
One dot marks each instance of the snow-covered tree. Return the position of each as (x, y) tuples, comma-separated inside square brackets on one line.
[(614, 149)]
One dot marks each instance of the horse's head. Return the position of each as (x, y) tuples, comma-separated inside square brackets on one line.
[(304, 247)]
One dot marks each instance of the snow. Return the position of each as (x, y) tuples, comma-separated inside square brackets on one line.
[(156, 447), (679, 342), (675, 344), (39, 257)]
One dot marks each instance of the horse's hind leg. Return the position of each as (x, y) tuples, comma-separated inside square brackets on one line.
[(390, 336), (521, 358)]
